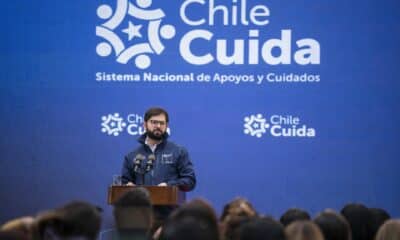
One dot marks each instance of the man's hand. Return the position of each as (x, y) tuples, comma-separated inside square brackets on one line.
[(130, 184), (163, 184)]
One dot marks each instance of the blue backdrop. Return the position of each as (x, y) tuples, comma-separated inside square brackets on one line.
[(287, 103)]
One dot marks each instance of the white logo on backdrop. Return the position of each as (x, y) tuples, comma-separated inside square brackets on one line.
[(255, 125), (139, 50), (112, 124), (277, 125)]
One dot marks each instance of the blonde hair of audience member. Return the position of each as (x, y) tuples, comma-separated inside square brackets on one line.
[(22, 225), (390, 230), (303, 230), (238, 207), (234, 214)]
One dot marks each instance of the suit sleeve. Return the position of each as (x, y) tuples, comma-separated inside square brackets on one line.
[(186, 175), (127, 171)]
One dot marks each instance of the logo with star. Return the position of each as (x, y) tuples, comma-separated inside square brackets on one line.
[(132, 31), (255, 125), (112, 124)]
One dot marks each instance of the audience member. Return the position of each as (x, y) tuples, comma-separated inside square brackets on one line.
[(265, 228), (230, 229), (195, 220), (133, 215), (234, 214), (78, 220), (333, 225), (303, 230), (360, 219), (390, 230), (379, 216), (294, 214), (238, 207)]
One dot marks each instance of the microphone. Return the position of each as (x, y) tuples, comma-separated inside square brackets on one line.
[(137, 162), (150, 160)]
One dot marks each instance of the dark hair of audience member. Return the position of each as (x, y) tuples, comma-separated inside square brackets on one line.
[(390, 230), (333, 225), (265, 228), (199, 208), (360, 219), (75, 219), (188, 227), (230, 228), (133, 210), (195, 220), (294, 214), (303, 230), (379, 216)]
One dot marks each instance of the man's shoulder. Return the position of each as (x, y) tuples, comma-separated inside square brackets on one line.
[(171, 145)]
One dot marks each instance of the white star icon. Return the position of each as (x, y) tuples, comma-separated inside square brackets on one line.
[(132, 31)]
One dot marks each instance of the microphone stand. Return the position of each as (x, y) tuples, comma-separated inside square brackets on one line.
[(149, 165), (138, 167), (140, 170), (143, 177)]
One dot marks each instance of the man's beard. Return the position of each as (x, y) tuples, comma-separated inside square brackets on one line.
[(156, 136)]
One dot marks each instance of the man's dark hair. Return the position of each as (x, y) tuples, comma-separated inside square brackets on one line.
[(294, 214), (360, 220), (137, 197), (265, 228), (379, 216), (231, 227), (75, 219), (133, 210), (333, 226), (188, 228), (195, 220), (198, 208), (155, 111)]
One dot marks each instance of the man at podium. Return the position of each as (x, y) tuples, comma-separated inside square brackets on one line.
[(158, 161)]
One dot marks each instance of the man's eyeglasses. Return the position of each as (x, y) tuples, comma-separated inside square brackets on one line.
[(156, 122)]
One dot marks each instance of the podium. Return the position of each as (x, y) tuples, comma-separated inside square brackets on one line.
[(168, 196)]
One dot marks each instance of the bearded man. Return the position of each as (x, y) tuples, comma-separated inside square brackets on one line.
[(157, 161)]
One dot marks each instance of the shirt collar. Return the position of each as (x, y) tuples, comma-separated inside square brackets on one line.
[(152, 147)]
